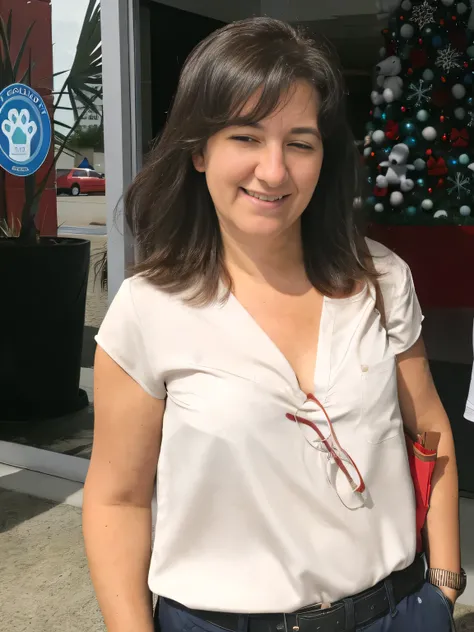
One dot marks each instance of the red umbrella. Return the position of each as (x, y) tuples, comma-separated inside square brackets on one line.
[(422, 455)]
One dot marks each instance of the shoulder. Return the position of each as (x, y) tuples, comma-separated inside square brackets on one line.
[(393, 270)]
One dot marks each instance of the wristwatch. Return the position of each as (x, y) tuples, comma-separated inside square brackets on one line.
[(447, 579)]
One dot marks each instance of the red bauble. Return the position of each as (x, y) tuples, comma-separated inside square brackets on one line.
[(429, 152), (380, 192), (440, 184), (430, 190)]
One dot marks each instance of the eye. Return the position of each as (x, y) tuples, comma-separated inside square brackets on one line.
[(301, 146), (244, 139)]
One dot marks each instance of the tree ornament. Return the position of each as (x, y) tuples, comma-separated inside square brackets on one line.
[(420, 93), (411, 210), (396, 199), (410, 141), (422, 115), (440, 214), (378, 136), (471, 119), (460, 113), (440, 184), (427, 205), (465, 210), (448, 58), (423, 14), (464, 159), (428, 75), (406, 5), (436, 166), (407, 31), (403, 109), (437, 41), (419, 164), (392, 130), (460, 137), (460, 185), (429, 133), (459, 91), (420, 182), (397, 168), (461, 8), (379, 207), (470, 52)]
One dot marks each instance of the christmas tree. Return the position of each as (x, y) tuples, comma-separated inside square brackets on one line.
[(419, 151)]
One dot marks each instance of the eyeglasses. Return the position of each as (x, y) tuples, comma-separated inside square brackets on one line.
[(342, 473)]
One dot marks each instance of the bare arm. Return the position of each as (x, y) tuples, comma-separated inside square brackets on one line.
[(423, 411), (118, 494)]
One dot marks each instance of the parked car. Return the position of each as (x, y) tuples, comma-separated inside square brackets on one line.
[(77, 181)]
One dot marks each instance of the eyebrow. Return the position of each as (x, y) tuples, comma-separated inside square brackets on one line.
[(295, 130)]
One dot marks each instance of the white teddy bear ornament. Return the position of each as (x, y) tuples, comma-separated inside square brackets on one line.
[(397, 168), (388, 79)]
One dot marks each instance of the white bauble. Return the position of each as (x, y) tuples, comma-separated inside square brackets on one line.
[(427, 205), (429, 133), (396, 199), (439, 214), (459, 91), (461, 8), (378, 207), (382, 52), (406, 5), (378, 136), (465, 210), (428, 75), (470, 52), (422, 116), (367, 151), (447, 3), (407, 31), (460, 113), (419, 164)]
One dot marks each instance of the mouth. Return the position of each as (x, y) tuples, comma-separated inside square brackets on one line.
[(264, 197)]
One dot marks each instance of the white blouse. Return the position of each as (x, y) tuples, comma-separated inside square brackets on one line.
[(247, 520), (469, 412)]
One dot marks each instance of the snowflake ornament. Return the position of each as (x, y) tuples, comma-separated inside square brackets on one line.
[(460, 185), (419, 93), (423, 14), (448, 58), (471, 117)]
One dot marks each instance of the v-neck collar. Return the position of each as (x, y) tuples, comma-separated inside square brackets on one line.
[(257, 338)]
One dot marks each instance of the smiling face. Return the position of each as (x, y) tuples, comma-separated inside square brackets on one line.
[(262, 177)]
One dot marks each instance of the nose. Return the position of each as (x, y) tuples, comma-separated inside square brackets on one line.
[(272, 168)]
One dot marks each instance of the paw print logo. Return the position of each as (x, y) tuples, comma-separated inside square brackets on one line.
[(19, 130)]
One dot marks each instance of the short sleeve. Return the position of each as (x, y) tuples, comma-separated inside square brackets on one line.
[(469, 412), (121, 336), (403, 312)]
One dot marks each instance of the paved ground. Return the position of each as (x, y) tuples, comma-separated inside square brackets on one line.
[(82, 210), (45, 585)]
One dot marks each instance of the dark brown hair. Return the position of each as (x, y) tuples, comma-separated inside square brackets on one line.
[(168, 206)]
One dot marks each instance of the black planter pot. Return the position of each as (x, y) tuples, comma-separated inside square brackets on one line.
[(43, 299)]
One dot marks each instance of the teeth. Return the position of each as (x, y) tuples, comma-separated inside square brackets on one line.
[(265, 198)]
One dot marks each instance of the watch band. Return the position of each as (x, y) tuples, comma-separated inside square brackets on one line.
[(447, 579)]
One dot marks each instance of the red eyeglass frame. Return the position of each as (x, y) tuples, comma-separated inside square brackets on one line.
[(337, 459)]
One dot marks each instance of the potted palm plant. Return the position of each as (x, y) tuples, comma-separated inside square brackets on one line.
[(44, 278)]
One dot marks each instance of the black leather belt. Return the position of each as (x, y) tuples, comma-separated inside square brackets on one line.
[(342, 616)]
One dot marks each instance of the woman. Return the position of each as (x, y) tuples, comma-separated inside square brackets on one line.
[(250, 318)]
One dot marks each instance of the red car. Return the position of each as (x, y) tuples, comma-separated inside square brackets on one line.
[(77, 181)]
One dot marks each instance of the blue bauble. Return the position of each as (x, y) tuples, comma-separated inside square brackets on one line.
[(420, 182), (407, 127), (411, 210), (437, 41), (464, 159), (371, 200), (468, 80), (470, 101), (370, 179), (453, 162), (410, 141)]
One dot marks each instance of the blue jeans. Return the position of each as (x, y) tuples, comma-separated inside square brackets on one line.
[(425, 611)]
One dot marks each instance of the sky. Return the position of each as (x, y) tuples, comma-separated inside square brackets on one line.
[(68, 16)]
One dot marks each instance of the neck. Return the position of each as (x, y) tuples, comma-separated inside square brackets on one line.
[(264, 259)]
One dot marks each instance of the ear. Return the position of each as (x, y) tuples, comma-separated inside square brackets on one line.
[(199, 162)]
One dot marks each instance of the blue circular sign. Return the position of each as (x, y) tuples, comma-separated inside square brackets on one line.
[(25, 130)]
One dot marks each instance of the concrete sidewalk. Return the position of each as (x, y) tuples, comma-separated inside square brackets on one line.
[(45, 585)]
